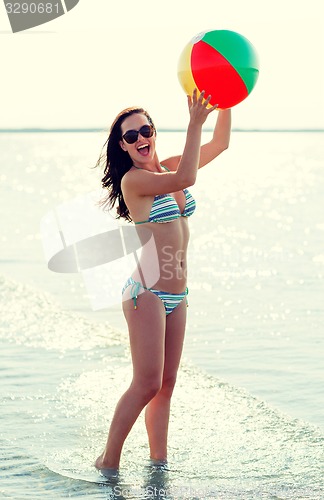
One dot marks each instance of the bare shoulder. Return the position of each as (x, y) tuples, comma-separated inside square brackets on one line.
[(146, 183), (128, 180), (172, 163)]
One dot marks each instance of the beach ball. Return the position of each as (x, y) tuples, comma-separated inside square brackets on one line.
[(223, 63)]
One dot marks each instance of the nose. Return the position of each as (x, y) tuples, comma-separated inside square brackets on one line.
[(140, 135)]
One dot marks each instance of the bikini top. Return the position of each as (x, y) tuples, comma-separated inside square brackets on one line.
[(166, 209)]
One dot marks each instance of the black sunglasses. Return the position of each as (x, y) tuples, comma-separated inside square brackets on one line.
[(131, 136)]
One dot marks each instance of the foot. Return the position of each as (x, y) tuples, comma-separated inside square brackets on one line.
[(159, 463), (109, 473), (104, 467)]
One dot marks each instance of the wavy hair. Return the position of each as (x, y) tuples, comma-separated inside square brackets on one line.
[(116, 163)]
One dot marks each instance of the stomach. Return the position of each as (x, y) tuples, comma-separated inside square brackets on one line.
[(163, 261)]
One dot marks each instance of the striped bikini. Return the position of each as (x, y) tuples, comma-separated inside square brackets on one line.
[(164, 209), (170, 300)]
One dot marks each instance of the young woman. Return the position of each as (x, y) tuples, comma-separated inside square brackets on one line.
[(154, 196)]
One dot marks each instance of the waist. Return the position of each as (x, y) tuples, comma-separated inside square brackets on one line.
[(169, 280), (137, 284), (170, 286)]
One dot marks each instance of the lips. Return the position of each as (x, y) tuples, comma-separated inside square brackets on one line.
[(143, 149)]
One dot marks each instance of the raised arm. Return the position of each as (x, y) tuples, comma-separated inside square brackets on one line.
[(191, 156), (210, 150), (184, 174)]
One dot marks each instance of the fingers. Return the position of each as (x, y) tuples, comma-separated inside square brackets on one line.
[(207, 101), (196, 99), (194, 96), (201, 96), (212, 108)]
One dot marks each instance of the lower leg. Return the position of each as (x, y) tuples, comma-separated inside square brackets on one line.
[(127, 411), (158, 410), (157, 415)]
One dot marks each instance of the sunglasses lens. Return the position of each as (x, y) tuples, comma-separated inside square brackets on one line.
[(146, 131), (131, 135)]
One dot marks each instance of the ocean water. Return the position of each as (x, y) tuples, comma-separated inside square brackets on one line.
[(247, 414)]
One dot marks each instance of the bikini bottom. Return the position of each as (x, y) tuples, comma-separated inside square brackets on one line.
[(170, 300)]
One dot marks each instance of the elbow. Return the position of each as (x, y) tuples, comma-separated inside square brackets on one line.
[(185, 177), (222, 148), (189, 181)]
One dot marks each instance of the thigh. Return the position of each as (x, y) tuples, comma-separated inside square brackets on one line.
[(174, 338), (146, 326)]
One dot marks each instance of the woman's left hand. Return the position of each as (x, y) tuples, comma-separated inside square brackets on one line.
[(198, 107)]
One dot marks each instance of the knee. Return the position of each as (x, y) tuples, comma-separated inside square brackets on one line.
[(149, 388), (168, 385)]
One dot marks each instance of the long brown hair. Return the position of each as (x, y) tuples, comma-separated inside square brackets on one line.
[(116, 163)]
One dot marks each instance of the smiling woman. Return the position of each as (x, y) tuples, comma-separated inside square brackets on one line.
[(155, 197), (115, 169)]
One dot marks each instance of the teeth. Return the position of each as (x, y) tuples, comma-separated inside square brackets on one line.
[(143, 146)]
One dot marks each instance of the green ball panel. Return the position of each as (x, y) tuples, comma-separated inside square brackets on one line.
[(239, 52)]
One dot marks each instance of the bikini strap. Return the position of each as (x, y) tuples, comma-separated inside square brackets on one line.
[(140, 168)]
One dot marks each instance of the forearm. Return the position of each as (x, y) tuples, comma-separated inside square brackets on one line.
[(190, 159), (189, 162), (222, 131), (220, 140)]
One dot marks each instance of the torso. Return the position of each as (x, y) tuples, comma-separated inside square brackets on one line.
[(163, 262)]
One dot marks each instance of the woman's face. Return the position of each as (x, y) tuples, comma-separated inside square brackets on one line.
[(143, 149)]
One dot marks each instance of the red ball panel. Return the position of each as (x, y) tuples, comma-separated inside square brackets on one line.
[(213, 73)]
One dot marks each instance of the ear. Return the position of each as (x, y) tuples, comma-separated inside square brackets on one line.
[(122, 145)]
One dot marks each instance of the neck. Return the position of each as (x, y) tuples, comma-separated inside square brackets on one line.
[(151, 165), (150, 168)]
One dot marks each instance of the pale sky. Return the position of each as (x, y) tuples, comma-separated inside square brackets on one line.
[(81, 69)]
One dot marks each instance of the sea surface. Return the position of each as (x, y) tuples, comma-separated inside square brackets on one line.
[(247, 416)]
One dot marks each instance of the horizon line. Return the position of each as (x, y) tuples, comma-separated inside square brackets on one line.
[(162, 129)]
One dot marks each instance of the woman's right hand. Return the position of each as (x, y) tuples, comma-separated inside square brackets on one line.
[(198, 109)]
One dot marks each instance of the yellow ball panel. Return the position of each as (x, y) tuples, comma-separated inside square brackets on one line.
[(184, 70)]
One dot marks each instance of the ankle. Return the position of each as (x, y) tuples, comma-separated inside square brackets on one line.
[(158, 461), (103, 462)]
